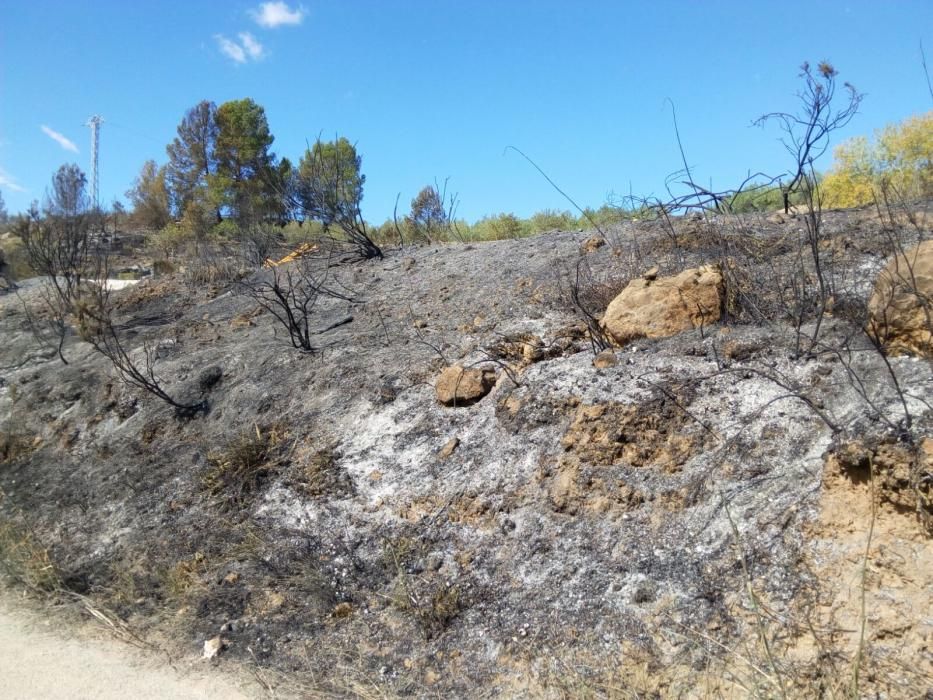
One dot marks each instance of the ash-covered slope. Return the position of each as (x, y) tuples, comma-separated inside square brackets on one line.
[(652, 523)]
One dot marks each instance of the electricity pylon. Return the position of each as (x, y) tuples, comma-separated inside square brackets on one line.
[(95, 122)]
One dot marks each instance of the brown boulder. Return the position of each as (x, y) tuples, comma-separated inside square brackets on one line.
[(901, 305), (666, 305), (456, 386)]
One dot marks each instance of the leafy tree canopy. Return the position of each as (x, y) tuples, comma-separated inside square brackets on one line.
[(245, 167), (330, 184), (192, 159), (150, 197), (428, 218)]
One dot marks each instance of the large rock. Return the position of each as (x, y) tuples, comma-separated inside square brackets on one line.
[(901, 305), (656, 308), (456, 386)]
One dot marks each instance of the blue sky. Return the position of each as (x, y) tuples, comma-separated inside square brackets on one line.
[(440, 89)]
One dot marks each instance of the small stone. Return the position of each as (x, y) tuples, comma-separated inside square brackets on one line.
[(448, 448), (605, 359), (644, 593), (592, 244), (456, 386), (212, 647), (273, 601)]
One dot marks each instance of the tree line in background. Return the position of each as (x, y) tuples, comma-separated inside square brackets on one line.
[(220, 169), (222, 179), (220, 166)]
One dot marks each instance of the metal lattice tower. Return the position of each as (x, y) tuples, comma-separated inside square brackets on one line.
[(95, 122)]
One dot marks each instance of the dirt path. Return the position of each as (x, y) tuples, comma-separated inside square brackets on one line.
[(40, 660)]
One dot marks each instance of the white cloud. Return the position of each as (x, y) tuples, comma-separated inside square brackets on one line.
[(247, 49), (60, 139), (277, 14), (8, 181), (251, 46), (231, 49)]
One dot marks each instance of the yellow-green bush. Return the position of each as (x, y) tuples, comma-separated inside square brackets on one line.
[(900, 157), (14, 254), (499, 227), (551, 220), (170, 241)]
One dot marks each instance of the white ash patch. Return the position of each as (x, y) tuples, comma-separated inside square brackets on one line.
[(289, 508), (374, 440)]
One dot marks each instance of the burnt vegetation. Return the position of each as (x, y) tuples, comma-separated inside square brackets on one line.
[(648, 494)]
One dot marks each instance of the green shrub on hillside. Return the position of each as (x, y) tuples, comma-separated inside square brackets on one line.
[(499, 227), (552, 220), (607, 215), (14, 256), (762, 198), (900, 157)]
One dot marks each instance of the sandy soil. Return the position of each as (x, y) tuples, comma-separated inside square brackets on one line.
[(40, 659)]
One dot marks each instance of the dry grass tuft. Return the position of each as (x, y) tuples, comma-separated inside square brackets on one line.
[(15, 446), (184, 578), (237, 472), (320, 475), (23, 559)]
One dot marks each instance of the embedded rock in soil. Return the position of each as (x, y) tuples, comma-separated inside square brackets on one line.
[(900, 311), (456, 386), (212, 647), (665, 306), (448, 448), (592, 244), (605, 359)]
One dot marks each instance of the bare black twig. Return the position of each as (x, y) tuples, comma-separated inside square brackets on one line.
[(807, 131), (926, 73), (290, 292), (330, 187), (94, 316), (579, 285), (566, 196)]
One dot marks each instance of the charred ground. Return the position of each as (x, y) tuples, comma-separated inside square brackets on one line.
[(657, 524)]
